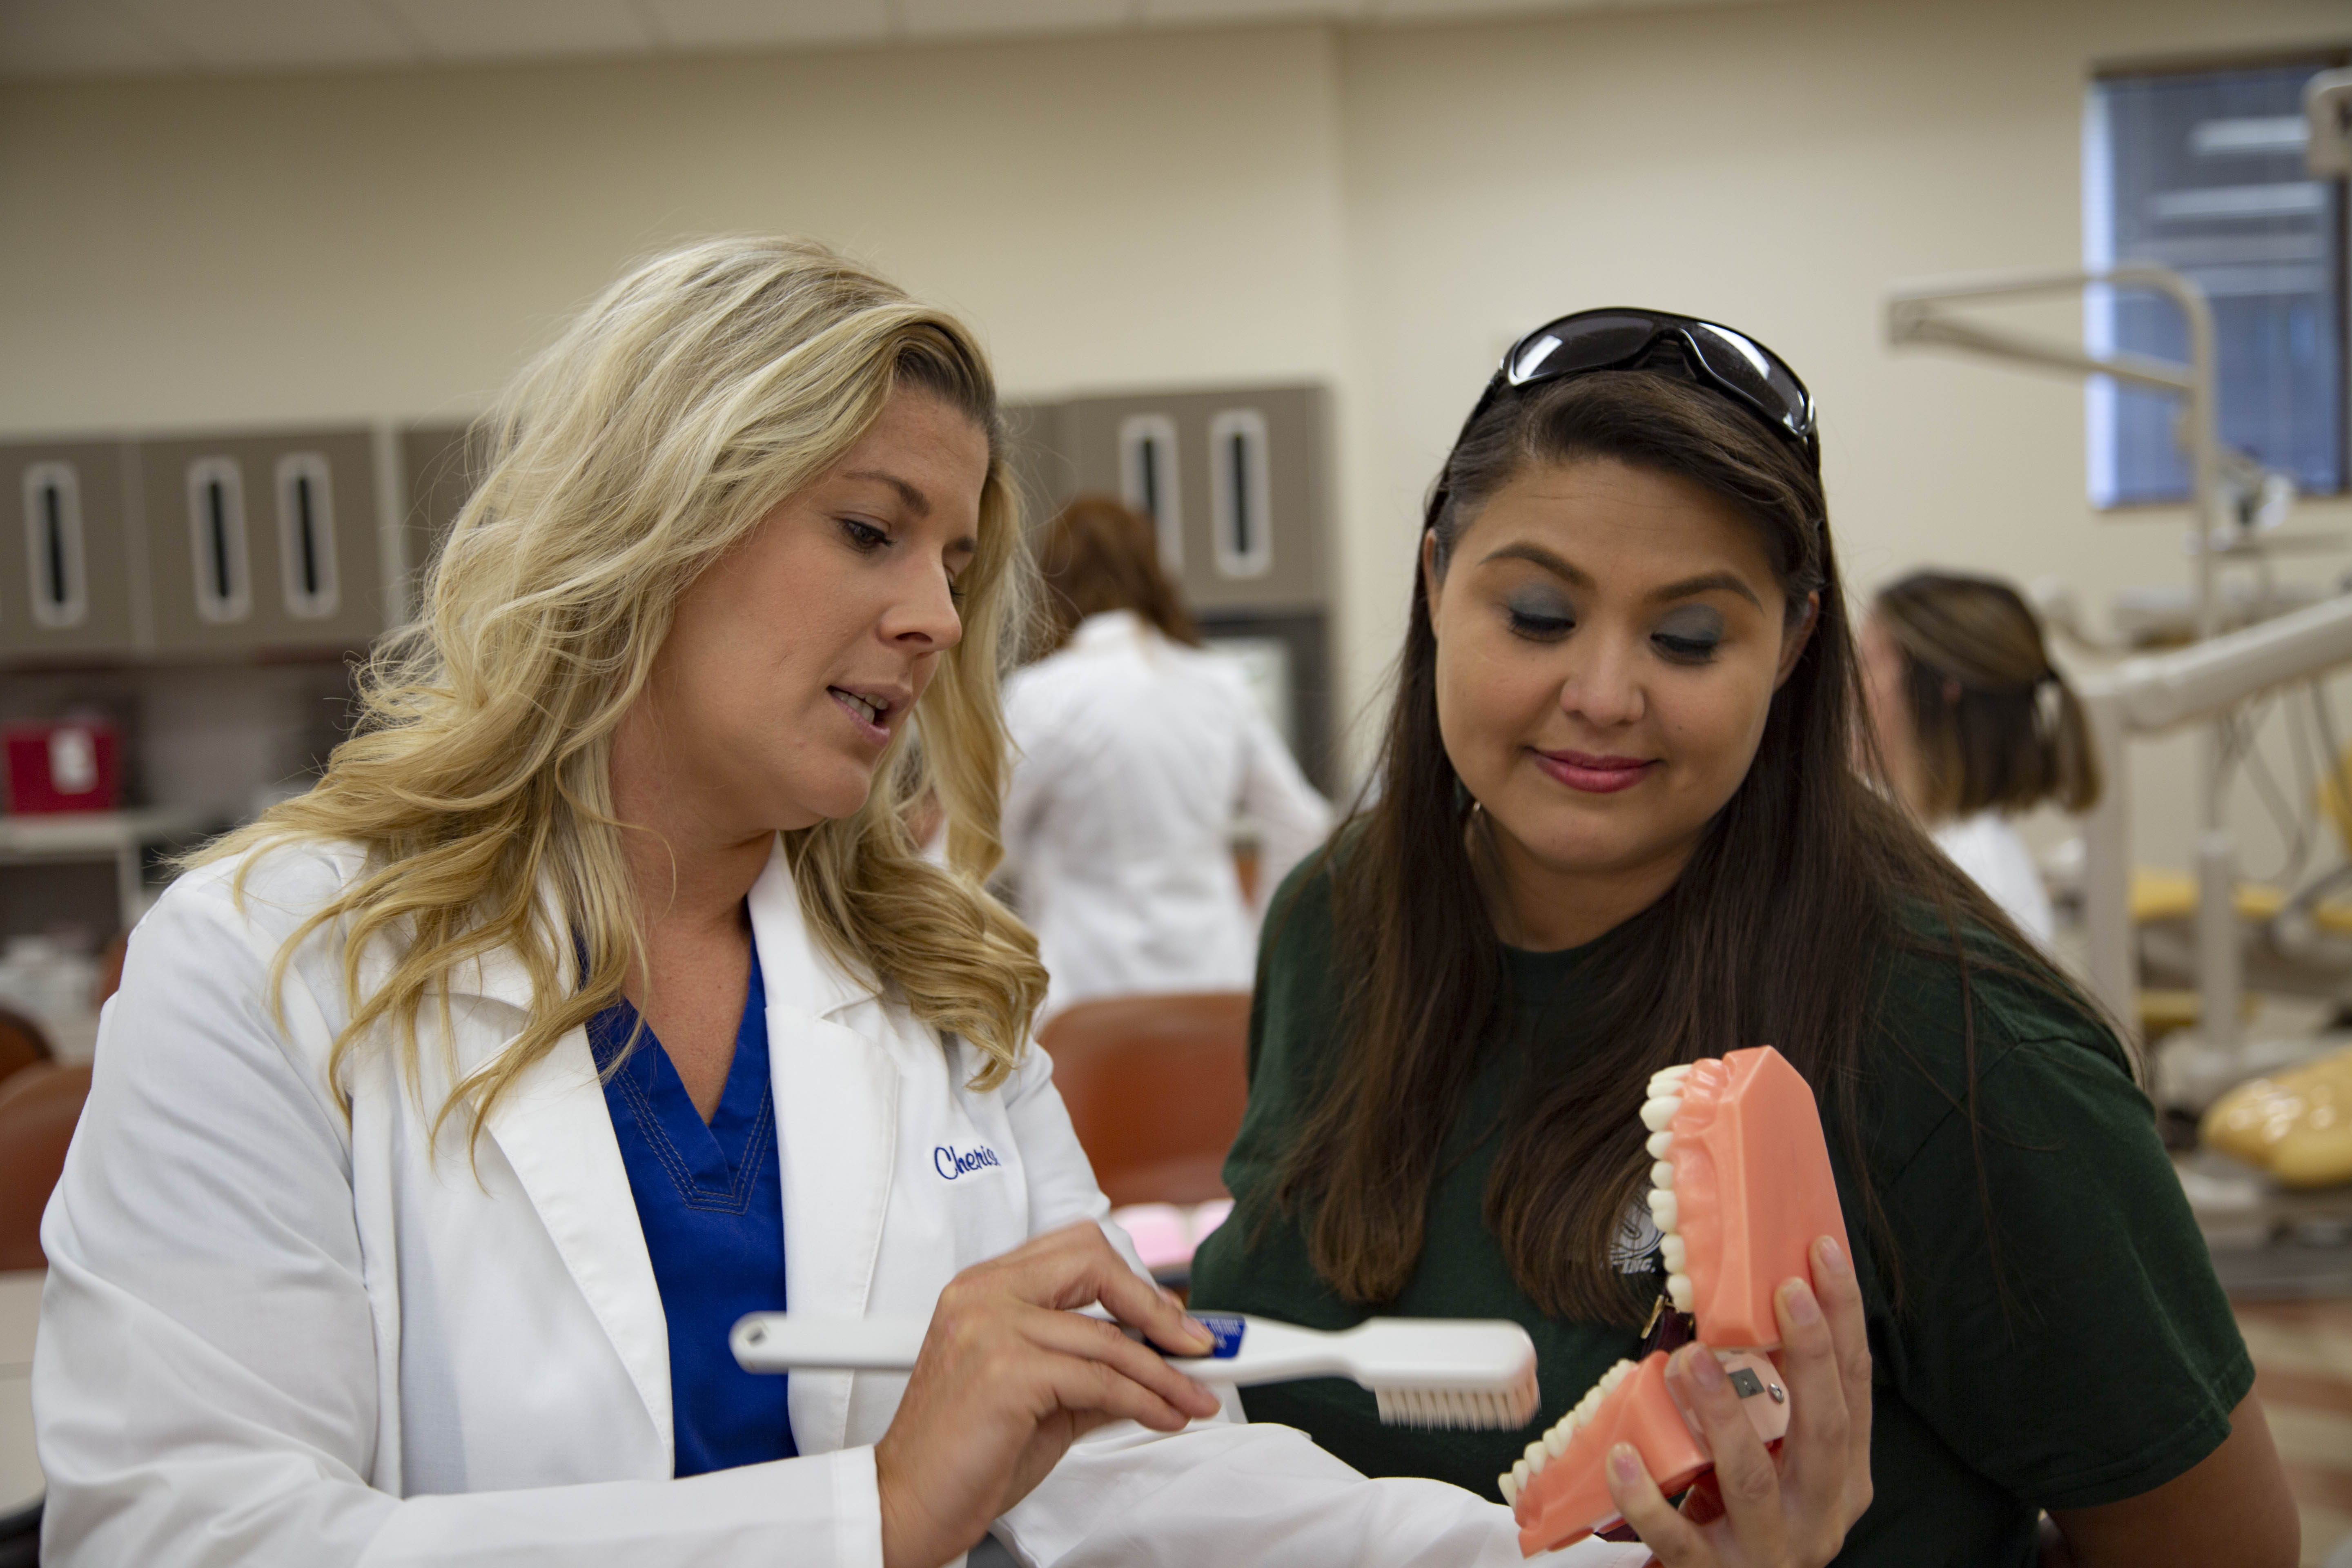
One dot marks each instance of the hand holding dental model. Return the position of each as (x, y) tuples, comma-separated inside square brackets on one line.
[(1743, 1194)]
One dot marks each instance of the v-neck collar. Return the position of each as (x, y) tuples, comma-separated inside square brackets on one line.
[(713, 1163)]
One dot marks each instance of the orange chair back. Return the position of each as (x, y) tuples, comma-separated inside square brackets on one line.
[(1155, 1086), (38, 1109)]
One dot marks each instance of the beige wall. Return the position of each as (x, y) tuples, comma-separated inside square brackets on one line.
[(1379, 210), (174, 252)]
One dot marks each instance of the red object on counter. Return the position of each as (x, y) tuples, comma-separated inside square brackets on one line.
[(72, 765)]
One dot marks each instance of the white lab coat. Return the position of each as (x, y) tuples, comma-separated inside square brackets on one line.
[(272, 1338), (1137, 755)]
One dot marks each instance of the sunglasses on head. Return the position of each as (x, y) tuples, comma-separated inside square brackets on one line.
[(1703, 353)]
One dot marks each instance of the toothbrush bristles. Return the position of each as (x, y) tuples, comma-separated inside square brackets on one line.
[(1495, 1409)]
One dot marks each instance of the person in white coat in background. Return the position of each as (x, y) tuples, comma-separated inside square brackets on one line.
[(448, 1114), (1139, 752), (1974, 724)]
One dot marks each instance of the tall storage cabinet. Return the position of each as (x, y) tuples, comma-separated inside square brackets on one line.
[(68, 572), (1237, 484), (1235, 480), (263, 543)]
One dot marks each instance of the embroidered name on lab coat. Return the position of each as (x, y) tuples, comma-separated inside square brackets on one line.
[(951, 1162)]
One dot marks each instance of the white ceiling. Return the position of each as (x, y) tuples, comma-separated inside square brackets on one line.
[(52, 38)]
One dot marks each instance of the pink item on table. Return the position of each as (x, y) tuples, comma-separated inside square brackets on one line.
[(1162, 1239), (1165, 1234)]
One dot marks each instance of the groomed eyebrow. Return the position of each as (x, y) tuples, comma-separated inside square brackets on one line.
[(1710, 583), (917, 502), (1688, 588)]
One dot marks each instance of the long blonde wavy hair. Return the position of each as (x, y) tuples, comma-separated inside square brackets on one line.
[(669, 420)]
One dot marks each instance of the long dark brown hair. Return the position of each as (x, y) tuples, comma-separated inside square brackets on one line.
[(1775, 933), (1998, 726), (1097, 555)]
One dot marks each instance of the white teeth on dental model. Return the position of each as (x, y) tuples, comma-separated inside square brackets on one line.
[(1661, 1177), (1668, 1080), (1678, 1254), (1507, 1483), (1555, 1441), (1659, 1143), (1657, 1113), (1679, 1291), (1662, 1209)]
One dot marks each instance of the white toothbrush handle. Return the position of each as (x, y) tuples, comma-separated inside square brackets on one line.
[(789, 1342)]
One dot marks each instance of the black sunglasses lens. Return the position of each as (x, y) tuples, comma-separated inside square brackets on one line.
[(1585, 341), (1743, 363)]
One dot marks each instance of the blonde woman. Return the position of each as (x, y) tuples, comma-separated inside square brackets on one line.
[(447, 1114)]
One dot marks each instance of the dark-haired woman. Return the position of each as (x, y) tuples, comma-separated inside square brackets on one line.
[(1620, 829), (1138, 749), (1973, 723)]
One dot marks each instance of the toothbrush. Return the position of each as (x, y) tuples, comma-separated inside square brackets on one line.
[(1423, 1372)]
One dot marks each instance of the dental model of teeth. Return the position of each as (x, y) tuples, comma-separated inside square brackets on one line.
[(1554, 1443), (1739, 1186)]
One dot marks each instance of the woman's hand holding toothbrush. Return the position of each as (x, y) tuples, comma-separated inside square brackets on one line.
[(1792, 1510), (1009, 1377)]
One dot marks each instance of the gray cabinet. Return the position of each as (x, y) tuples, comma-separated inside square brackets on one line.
[(67, 563), (1238, 481), (1238, 485), (443, 464), (263, 543)]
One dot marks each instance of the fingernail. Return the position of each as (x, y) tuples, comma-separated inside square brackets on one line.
[(1832, 1256), (1625, 1463), (1802, 1309), (1703, 1369), (1199, 1329)]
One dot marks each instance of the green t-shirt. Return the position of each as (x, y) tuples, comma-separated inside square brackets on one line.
[(2111, 1366)]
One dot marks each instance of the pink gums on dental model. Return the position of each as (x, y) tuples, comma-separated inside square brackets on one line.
[(1740, 1188)]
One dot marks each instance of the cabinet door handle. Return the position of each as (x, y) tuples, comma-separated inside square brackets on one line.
[(53, 546), (1147, 480), (1242, 530), (216, 540), (306, 536)]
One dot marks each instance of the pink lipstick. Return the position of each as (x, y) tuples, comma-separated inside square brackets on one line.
[(1595, 775)]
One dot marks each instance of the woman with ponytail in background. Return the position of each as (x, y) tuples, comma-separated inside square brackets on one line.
[(1975, 724)]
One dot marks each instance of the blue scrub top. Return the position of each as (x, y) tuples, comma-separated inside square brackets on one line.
[(711, 1199)]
